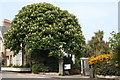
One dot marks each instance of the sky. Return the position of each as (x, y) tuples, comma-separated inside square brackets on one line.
[(92, 15)]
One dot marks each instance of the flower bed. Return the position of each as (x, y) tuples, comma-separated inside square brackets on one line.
[(102, 65), (100, 59)]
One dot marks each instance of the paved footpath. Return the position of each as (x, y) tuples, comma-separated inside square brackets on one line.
[(30, 76)]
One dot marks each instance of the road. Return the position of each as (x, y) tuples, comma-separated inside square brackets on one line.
[(29, 76)]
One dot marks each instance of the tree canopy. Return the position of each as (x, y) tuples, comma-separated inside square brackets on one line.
[(97, 45), (115, 47), (43, 26)]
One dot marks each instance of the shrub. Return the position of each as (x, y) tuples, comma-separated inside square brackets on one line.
[(18, 66), (26, 66), (52, 63), (36, 68), (10, 65), (103, 66), (76, 66), (75, 69), (108, 69)]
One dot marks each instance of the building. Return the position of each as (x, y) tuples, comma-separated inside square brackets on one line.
[(3, 29), (9, 57)]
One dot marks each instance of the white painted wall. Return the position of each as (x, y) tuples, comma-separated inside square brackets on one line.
[(17, 59), (8, 61)]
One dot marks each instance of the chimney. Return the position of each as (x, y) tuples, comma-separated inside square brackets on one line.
[(6, 23)]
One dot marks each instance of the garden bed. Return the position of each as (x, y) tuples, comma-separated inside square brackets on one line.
[(75, 71), (15, 69)]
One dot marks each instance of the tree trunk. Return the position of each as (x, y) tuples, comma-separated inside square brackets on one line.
[(61, 67), (23, 54)]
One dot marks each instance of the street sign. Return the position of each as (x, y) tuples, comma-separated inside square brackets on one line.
[(67, 66)]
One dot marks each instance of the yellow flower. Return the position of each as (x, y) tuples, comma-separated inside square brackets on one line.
[(108, 61), (98, 59)]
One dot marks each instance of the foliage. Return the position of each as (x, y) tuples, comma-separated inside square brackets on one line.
[(76, 66), (67, 60), (97, 45), (52, 63), (3, 58), (43, 26), (115, 47), (10, 65), (36, 68), (102, 65), (108, 69), (41, 56), (114, 40)]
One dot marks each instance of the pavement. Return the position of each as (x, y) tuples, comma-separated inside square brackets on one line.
[(31, 76)]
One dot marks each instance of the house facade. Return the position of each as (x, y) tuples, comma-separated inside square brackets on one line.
[(9, 57)]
